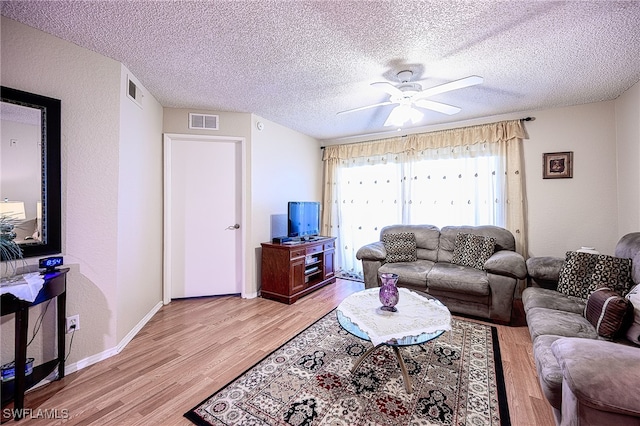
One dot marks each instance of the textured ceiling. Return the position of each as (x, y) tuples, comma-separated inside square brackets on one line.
[(298, 63)]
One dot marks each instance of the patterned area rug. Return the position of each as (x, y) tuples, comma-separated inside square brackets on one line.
[(457, 380)]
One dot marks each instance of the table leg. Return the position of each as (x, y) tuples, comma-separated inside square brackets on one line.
[(364, 356), (403, 368), (22, 324)]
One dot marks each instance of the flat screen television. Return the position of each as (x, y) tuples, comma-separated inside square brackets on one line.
[(303, 219)]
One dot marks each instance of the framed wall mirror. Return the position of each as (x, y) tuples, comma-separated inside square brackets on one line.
[(30, 170)]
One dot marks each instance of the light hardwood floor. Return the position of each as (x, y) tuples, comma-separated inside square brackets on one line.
[(191, 348)]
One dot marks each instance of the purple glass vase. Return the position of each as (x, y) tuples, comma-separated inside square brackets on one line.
[(389, 292)]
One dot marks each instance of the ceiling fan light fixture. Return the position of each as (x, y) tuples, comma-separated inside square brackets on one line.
[(402, 114), (405, 76)]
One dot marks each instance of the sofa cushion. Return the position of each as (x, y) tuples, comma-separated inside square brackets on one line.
[(614, 273), (400, 247), (414, 273), (427, 238), (543, 321), (549, 371), (607, 311), (536, 297), (458, 279), (576, 274), (472, 250)]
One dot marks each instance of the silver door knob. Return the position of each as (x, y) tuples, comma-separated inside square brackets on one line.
[(233, 227)]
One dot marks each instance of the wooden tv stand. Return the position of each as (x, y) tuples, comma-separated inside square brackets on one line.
[(290, 271)]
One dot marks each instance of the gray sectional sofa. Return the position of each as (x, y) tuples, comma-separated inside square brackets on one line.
[(486, 289), (587, 378)]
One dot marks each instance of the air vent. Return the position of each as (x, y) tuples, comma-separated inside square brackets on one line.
[(134, 92), (203, 121)]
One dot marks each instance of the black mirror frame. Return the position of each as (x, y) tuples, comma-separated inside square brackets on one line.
[(51, 169)]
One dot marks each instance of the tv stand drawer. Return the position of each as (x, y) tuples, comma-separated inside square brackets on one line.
[(314, 249)]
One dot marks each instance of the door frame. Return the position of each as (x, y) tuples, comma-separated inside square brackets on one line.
[(169, 139)]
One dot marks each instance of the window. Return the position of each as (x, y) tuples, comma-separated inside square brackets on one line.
[(441, 187)]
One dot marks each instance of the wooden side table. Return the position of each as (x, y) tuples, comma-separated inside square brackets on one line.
[(55, 285)]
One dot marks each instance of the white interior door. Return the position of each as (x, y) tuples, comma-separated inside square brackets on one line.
[(203, 213)]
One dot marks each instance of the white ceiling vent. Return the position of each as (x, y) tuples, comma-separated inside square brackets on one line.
[(203, 121), (134, 92)]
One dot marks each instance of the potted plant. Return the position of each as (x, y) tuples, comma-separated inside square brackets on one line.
[(10, 251)]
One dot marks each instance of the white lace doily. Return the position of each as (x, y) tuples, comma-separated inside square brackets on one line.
[(416, 315), (25, 287)]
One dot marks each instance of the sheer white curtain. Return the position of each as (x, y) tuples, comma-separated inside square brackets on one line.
[(468, 176)]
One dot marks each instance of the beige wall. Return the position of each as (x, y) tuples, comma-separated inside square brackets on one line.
[(628, 160), (139, 209), (565, 214), (95, 190)]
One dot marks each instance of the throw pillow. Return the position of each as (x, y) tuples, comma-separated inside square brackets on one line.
[(607, 311), (472, 250), (400, 247), (614, 273), (633, 333), (576, 274)]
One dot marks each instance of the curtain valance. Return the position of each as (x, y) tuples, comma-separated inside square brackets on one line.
[(503, 131)]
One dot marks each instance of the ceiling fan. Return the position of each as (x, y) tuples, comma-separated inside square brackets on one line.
[(408, 96)]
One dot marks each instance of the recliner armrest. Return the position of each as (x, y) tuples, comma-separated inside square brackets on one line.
[(546, 268), (373, 251), (508, 263), (602, 375)]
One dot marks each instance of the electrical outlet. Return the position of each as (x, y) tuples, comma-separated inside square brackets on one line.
[(73, 323)]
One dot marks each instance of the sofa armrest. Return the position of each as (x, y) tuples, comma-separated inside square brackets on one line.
[(373, 251), (544, 271), (545, 267), (601, 375), (507, 263)]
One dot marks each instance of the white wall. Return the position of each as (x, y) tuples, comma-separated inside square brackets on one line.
[(287, 167), (628, 165)]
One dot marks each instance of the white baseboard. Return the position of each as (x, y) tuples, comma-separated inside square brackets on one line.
[(86, 362)]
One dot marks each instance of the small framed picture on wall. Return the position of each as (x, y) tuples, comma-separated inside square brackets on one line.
[(557, 165)]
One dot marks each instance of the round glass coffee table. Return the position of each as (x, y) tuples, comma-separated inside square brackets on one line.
[(419, 319)]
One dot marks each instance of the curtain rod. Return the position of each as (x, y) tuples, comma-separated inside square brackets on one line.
[(522, 119)]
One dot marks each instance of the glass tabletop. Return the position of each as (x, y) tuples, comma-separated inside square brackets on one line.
[(350, 326)]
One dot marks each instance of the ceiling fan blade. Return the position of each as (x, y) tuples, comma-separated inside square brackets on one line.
[(387, 88), (446, 87), (365, 107), (437, 106)]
